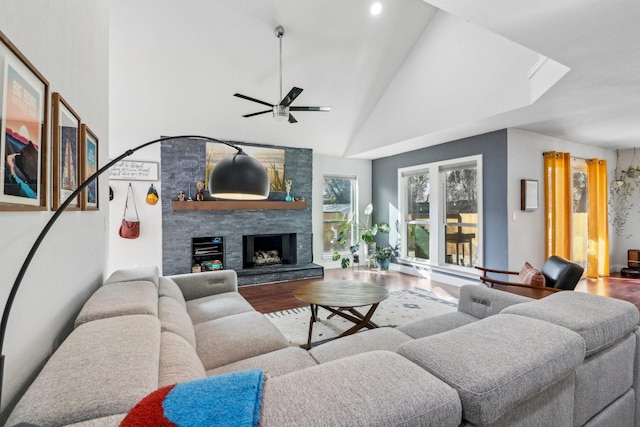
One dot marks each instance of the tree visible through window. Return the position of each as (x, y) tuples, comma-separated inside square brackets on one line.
[(338, 202), (461, 210)]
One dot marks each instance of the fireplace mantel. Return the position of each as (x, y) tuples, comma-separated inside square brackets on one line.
[(230, 205)]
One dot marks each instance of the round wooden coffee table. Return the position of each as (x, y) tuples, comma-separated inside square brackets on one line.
[(341, 297)]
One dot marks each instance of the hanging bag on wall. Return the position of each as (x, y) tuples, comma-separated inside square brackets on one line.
[(130, 229)]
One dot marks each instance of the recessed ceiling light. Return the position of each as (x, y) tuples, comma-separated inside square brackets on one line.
[(376, 8)]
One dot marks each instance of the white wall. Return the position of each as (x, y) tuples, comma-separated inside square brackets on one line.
[(67, 41), (328, 165), (525, 161), (631, 237)]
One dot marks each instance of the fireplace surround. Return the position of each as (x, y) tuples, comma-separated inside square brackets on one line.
[(182, 165)]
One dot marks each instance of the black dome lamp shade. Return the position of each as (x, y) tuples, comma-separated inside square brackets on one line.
[(239, 177)]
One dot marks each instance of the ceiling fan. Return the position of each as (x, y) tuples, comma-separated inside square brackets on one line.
[(282, 110)]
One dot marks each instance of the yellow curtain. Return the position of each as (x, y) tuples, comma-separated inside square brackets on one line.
[(557, 203), (597, 210)]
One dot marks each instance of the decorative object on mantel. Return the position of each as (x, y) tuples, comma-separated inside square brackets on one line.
[(200, 193), (181, 196), (238, 176), (287, 184)]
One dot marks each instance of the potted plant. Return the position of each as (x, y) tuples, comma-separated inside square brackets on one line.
[(620, 192), (383, 257), (366, 233)]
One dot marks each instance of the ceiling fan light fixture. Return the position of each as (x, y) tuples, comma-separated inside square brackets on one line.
[(280, 113)]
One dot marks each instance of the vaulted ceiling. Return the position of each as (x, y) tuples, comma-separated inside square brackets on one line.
[(419, 73)]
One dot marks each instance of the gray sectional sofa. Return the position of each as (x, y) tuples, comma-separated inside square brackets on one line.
[(570, 359)]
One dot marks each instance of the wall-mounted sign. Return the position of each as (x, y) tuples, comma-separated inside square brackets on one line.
[(134, 170)]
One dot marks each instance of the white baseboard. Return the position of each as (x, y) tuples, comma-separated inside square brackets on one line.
[(440, 274)]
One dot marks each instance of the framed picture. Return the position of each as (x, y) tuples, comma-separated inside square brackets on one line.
[(89, 166), (66, 152), (528, 194), (24, 100)]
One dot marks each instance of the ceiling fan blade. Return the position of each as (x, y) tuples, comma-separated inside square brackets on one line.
[(293, 94), (292, 119), (252, 99), (327, 109), (259, 112)]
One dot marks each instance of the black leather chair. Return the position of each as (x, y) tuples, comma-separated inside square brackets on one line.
[(559, 274)]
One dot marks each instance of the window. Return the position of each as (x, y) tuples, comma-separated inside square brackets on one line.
[(417, 189), (339, 195), (461, 213), (440, 204)]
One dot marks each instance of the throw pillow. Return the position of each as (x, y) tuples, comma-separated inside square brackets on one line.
[(531, 276)]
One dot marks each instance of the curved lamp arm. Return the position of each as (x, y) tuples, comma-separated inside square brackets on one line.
[(57, 213)]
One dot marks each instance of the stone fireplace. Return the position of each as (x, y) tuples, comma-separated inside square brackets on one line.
[(182, 165)]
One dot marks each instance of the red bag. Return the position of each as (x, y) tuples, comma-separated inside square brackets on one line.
[(130, 229)]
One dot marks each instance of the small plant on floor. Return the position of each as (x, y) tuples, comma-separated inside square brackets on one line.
[(385, 252)]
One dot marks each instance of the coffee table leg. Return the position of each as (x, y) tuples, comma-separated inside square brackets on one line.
[(366, 322), (314, 318)]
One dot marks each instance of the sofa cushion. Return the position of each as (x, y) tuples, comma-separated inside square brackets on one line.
[(599, 320), (200, 285), (273, 364), (435, 325), (498, 362), (373, 339), (373, 389), (169, 288), (174, 318), (529, 275), (480, 301), (216, 306), (103, 368), (232, 338), (148, 273), (120, 299), (178, 360)]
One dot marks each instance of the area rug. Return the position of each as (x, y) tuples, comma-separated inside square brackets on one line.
[(399, 308)]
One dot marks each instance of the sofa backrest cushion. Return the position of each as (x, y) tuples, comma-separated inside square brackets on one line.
[(120, 299), (480, 301), (205, 284), (174, 318), (103, 368), (600, 321), (135, 274), (178, 361), (169, 288)]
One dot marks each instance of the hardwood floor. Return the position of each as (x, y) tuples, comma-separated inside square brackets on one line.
[(271, 297)]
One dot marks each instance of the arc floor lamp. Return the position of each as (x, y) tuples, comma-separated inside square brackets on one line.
[(238, 176)]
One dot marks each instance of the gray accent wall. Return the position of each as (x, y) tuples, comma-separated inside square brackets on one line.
[(493, 148), (183, 163)]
